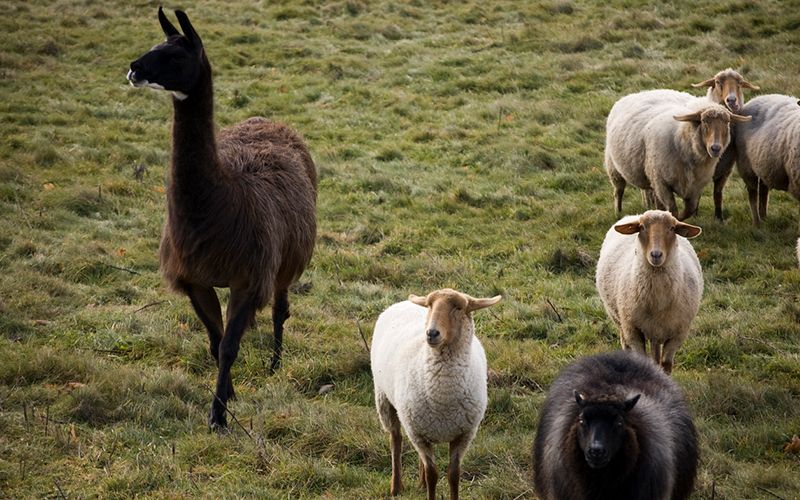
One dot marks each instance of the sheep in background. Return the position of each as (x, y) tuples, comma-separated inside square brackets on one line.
[(650, 282), (657, 140), (614, 426), (726, 88), (767, 150), (241, 210), (430, 376)]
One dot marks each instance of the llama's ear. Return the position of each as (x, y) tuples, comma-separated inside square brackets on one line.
[(188, 29), (167, 26), (579, 398), (630, 403)]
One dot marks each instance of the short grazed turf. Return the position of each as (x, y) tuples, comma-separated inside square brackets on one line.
[(458, 144)]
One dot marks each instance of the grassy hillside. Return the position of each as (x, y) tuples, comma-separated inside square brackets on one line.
[(458, 144)]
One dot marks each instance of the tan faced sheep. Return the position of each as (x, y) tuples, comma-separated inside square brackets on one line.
[(650, 282), (430, 378), (726, 88), (659, 140)]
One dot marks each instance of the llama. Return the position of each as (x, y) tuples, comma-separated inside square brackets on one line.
[(241, 208)]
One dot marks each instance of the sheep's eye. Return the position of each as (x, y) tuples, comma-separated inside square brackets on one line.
[(619, 422), (582, 422)]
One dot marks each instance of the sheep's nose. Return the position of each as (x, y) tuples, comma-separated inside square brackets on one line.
[(596, 450), (656, 255), (715, 149), (433, 335), (732, 103)]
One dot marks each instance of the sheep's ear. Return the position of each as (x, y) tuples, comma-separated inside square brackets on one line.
[(188, 29), (687, 230), (475, 304), (708, 83), (167, 26), (629, 228), (748, 85), (630, 403), (740, 118), (420, 301), (691, 117), (579, 398)]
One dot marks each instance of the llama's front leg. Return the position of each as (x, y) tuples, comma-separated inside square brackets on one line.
[(241, 311), (206, 305), (280, 312)]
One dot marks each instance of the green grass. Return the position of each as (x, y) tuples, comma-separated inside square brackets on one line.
[(458, 144)]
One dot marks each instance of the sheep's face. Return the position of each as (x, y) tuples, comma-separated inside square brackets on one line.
[(176, 64), (602, 428), (726, 89), (657, 231), (714, 126), (449, 314)]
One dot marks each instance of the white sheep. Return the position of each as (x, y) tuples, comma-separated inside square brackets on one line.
[(726, 88), (430, 376), (650, 282), (768, 150), (668, 142)]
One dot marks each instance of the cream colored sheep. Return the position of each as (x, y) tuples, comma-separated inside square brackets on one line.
[(650, 282), (726, 88), (430, 377), (768, 150), (661, 140)]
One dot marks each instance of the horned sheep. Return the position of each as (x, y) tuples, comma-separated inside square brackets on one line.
[(650, 282), (614, 426), (667, 141), (241, 208), (430, 376)]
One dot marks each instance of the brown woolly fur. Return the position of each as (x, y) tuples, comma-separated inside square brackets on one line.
[(240, 210), (614, 426)]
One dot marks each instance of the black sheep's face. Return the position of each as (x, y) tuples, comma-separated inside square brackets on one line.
[(602, 430), (174, 65)]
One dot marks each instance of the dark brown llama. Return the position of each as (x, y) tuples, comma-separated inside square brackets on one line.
[(241, 208)]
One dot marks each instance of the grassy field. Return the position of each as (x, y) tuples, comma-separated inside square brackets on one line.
[(458, 144)]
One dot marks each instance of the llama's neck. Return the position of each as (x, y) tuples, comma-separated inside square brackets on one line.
[(195, 165)]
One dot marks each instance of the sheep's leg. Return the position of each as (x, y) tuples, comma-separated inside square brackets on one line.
[(666, 198), (280, 312), (457, 448), (422, 482), (241, 311), (648, 199), (689, 207), (390, 421), (721, 173), (763, 199), (655, 351), (619, 188), (426, 456), (634, 340), (751, 182), (670, 348), (206, 305)]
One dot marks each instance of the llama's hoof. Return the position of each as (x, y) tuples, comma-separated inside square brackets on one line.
[(217, 422)]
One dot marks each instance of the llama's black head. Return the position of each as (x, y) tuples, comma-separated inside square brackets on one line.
[(176, 64), (602, 428)]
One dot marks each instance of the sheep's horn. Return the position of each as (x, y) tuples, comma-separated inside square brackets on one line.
[(707, 83), (167, 26)]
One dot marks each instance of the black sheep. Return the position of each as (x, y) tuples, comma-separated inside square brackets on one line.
[(614, 426)]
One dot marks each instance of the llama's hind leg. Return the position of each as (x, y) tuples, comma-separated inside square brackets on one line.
[(206, 305), (280, 312), (241, 311)]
